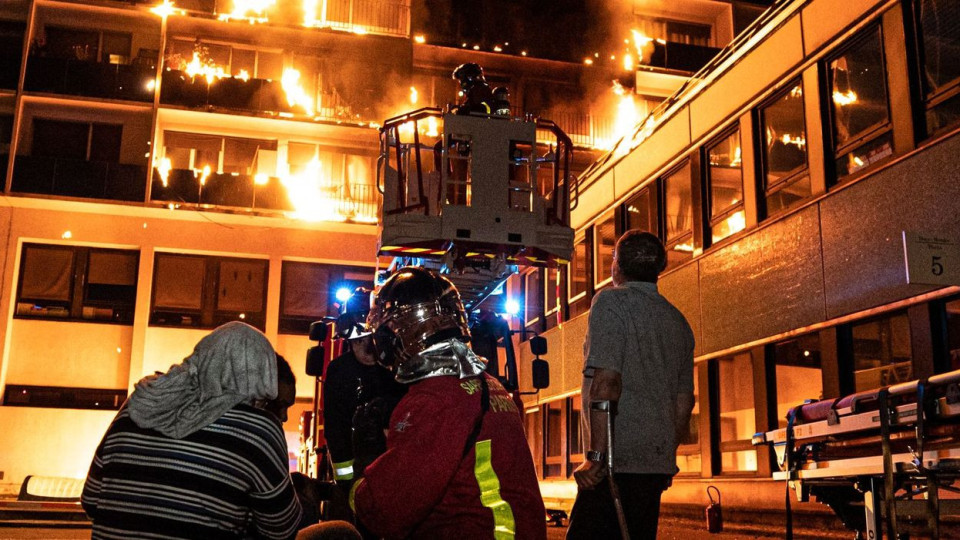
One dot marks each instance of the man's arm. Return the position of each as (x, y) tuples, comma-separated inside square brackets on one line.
[(605, 386)]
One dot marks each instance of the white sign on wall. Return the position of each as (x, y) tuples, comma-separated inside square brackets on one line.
[(931, 259)]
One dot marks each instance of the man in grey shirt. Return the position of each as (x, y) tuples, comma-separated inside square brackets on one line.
[(639, 355)]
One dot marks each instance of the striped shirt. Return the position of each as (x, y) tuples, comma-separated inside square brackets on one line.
[(223, 481)]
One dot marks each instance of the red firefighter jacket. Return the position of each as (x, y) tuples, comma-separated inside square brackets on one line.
[(426, 486)]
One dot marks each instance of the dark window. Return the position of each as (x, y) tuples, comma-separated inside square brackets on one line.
[(554, 437), (677, 212), (80, 141), (605, 239), (77, 283), (860, 112), (11, 42), (783, 139), (533, 425), (17, 395), (737, 413), (308, 292), (688, 451), (552, 297), (938, 24), (205, 292), (72, 43), (578, 276), (574, 439), (724, 183), (533, 298), (882, 352), (799, 373), (637, 210), (953, 332)]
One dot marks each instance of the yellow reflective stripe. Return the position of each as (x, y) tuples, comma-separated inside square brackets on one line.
[(343, 470), (504, 526), (353, 494)]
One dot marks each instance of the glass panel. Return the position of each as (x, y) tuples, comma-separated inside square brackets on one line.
[(788, 195), (578, 268), (116, 47), (953, 332), (745, 460), (179, 282), (606, 238), (299, 156), (689, 464), (71, 43), (737, 414), (678, 212), (269, 65), (882, 352), (940, 28), (638, 212), (799, 373), (553, 300), (112, 277), (574, 440), (726, 174), (785, 136), (47, 274), (243, 63), (865, 155), (725, 171), (105, 142), (533, 296), (555, 429), (52, 138), (858, 90), (305, 289), (241, 286)]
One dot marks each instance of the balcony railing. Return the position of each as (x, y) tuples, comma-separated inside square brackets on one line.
[(91, 79), (341, 202), (680, 56), (76, 178), (584, 129), (369, 16)]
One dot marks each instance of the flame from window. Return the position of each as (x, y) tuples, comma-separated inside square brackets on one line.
[(163, 169), (626, 115), (296, 95), (642, 44), (253, 11), (844, 98), (204, 68), (414, 95), (244, 75), (309, 191), (628, 64)]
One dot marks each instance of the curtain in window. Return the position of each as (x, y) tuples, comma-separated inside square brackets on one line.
[(47, 274)]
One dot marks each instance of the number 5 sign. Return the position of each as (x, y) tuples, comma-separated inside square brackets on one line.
[(931, 259)]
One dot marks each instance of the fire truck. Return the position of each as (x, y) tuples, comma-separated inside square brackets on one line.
[(475, 197)]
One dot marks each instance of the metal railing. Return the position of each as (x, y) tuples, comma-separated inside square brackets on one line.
[(92, 79), (366, 16)]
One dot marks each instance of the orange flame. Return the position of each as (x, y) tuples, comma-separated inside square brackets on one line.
[(413, 95), (250, 10), (209, 71), (163, 169), (296, 95)]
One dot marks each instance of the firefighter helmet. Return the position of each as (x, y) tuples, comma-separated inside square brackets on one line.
[(413, 310), (351, 324), (469, 75)]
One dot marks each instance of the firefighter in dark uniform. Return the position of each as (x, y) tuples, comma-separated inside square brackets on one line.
[(352, 379), (475, 93), (457, 464)]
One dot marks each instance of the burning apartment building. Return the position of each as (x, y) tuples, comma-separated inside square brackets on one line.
[(169, 167)]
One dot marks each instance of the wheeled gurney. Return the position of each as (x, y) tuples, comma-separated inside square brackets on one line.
[(880, 456)]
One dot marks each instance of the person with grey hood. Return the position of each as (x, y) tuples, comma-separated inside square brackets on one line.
[(193, 453)]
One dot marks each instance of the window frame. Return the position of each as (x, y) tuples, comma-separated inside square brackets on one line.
[(737, 445), (297, 325), (866, 136), (609, 216), (579, 303), (533, 325), (926, 99), (662, 214), (123, 312), (709, 220), (793, 176), (208, 316)]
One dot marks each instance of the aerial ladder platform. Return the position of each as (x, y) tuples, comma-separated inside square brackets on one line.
[(474, 196)]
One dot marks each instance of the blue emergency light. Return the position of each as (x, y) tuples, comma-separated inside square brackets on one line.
[(343, 294)]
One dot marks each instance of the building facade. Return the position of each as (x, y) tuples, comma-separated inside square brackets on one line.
[(171, 167), (785, 180)]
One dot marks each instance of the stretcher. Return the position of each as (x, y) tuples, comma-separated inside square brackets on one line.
[(888, 456)]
